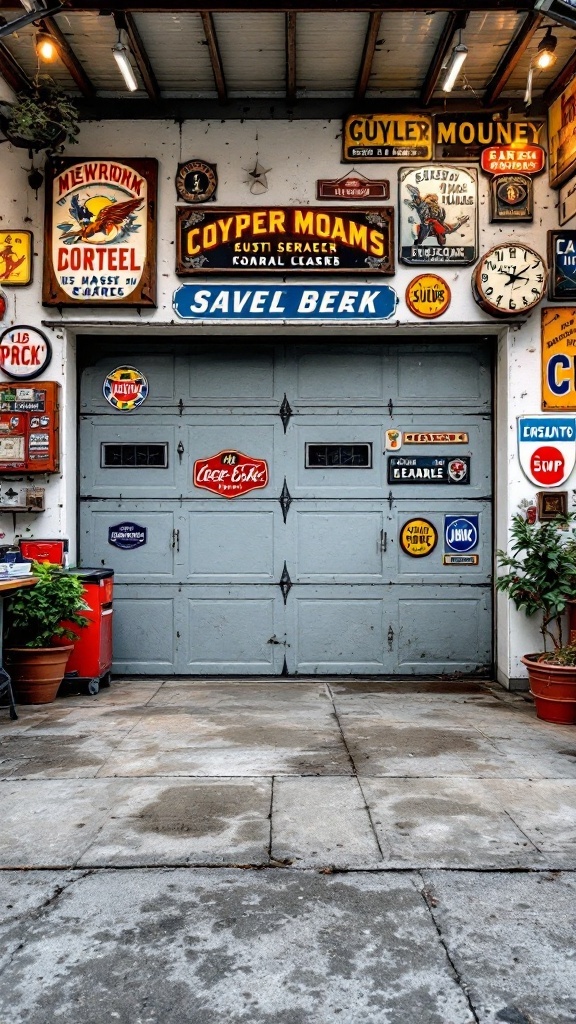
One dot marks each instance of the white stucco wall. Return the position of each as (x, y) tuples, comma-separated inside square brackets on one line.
[(297, 153)]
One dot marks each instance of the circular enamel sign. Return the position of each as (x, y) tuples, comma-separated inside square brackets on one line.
[(24, 352), (418, 537), (428, 296), (196, 181), (125, 388)]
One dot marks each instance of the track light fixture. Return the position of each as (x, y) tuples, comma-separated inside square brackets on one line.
[(121, 57), (454, 65)]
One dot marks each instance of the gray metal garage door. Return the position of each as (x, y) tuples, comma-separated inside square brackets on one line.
[(306, 575)]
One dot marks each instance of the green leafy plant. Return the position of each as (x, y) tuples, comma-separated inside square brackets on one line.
[(34, 615), (46, 118), (542, 576)]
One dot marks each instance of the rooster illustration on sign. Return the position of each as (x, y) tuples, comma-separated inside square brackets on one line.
[(100, 219), (432, 217)]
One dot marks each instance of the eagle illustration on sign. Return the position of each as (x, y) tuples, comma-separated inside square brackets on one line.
[(230, 473)]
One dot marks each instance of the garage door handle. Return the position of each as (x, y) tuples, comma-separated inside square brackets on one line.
[(383, 540), (176, 539)]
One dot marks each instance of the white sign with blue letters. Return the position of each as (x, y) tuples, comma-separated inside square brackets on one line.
[(256, 302)]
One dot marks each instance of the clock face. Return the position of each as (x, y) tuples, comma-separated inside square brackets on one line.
[(509, 280)]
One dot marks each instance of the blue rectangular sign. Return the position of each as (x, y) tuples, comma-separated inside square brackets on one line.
[(285, 302), (546, 428)]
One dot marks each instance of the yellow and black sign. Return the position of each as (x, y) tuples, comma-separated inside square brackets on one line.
[(386, 137), (418, 537), (464, 136), (559, 357), (15, 257), (428, 296)]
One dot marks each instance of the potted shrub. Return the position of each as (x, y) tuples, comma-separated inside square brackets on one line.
[(45, 118), (34, 629), (542, 580)]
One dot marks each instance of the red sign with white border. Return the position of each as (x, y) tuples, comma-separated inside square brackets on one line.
[(547, 466), (506, 159), (230, 473)]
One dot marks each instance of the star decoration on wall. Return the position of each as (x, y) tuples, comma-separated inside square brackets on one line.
[(257, 179)]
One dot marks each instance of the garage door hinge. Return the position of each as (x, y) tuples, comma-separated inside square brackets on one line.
[(176, 539), (285, 412), (390, 499), (285, 500), (180, 407), (390, 637), (390, 406), (285, 583)]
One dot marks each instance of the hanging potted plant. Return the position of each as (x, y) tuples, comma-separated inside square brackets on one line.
[(34, 628), (542, 580), (45, 118)]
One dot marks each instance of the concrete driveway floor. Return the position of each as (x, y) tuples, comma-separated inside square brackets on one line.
[(268, 852)]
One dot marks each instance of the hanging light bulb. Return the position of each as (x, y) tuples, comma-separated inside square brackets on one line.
[(121, 57), (545, 55), (46, 48)]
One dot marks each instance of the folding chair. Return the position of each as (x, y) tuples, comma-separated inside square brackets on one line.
[(6, 687)]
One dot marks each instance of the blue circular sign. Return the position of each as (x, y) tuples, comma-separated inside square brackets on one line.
[(461, 534)]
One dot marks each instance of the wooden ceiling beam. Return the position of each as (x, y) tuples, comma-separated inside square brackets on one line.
[(511, 56), (11, 71), (215, 58), (368, 55), (68, 57), (125, 21), (455, 21), (291, 78), (264, 6), (561, 81)]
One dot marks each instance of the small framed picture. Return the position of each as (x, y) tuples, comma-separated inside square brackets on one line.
[(552, 504)]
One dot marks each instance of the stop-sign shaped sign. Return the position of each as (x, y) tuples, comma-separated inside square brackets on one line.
[(547, 465)]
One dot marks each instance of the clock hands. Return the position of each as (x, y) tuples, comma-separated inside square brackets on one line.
[(514, 277)]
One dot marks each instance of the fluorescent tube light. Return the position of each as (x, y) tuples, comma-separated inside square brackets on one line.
[(121, 57), (454, 65)]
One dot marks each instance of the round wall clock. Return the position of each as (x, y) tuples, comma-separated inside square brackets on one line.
[(509, 279)]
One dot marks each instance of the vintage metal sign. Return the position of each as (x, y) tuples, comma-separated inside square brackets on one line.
[(386, 137), (460, 559), (438, 215), (559, 358), (511, 197), (303, 239), (100, 247), (352, 186), (125, 388), (392, 440), (15, 257), (230, 473), (461, 533), (428, 296), (418, 537), (428, 469), (547, 448), (435, 437), (196, 181), (464, 136), (513, 160), (127, 536), (567, 201), (562, 136), (562, 265), (285, 302), (25, 352)]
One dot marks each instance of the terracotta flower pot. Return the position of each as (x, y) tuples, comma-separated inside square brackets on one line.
[(36, 672), (553, 688)]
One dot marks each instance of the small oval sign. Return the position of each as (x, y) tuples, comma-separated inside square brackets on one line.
[(418, 537), (24, 352), (125, 388)]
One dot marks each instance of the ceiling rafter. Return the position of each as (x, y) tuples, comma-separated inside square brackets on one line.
[(125, 21), (68, 57), (455, 21), (260, 6), (368, 55), (291, 79), (215, 58), (12, 73), (511, 56)]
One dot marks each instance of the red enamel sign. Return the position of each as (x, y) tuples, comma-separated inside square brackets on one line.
[(230, 473), (503, 159), (547, 466)]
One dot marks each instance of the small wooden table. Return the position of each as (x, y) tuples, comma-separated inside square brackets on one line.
[(7, 587)]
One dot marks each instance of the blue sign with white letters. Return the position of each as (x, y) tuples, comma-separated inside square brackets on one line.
[(461, 533), (127, 536), (284, 302)]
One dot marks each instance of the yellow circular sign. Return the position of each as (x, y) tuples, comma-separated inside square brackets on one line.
[(418, 537), (428, 296)]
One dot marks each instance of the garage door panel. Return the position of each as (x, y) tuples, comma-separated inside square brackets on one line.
[(232, 545), (260, 438), (337, 631), (144, 631), (153, 560), (447, 630), (430, 568), (346, 375), (338, 439), (129, 439), (341, 546), (234, 631), (220, 374), (446, 377), (158, 370)]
